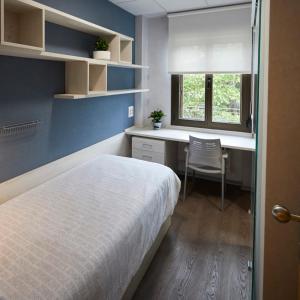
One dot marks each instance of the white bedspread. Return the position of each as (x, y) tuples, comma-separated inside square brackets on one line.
[(83, 234)]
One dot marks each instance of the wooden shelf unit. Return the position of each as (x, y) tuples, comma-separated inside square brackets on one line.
[(114, 47), (125, 50), (22, 25), (76, 77), (97, 78), (22, 34)]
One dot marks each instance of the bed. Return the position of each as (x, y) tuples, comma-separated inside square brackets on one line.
[(87, 233)]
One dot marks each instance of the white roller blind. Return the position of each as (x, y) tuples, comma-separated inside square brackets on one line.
[(211, 41)]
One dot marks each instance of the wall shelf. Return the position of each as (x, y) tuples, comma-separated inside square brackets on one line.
[(93, 94), (66, 20), (12, 50), (22, 28)]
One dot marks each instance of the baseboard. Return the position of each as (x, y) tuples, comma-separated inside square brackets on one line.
[(116, 145)]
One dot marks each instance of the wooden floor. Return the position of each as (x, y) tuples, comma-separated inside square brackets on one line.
[(206, 251)]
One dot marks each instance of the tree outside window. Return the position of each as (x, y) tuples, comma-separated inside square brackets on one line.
[(220, 101)]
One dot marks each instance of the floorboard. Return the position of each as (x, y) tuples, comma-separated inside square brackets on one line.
[(205, 253)]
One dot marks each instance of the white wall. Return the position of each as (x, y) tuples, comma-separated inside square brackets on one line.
[(153, 42), (141, 77)]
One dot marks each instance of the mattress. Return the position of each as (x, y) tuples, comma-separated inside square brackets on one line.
[(84, 234)]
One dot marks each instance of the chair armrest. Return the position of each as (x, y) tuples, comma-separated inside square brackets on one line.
[(225, 155), (186, 148)]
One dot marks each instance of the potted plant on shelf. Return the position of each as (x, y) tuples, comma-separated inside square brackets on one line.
[(101, 50), (156, 117)]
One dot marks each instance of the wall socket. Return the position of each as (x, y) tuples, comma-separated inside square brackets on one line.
[(130, 111)]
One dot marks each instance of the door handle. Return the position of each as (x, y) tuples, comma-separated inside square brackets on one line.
[(283, 215)]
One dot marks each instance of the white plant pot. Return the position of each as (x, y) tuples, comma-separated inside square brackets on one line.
[(101, 55), (157, 125)]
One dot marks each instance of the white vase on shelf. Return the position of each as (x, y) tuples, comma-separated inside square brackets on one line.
[(102, 55)]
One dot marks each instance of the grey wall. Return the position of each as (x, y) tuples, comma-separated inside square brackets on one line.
[(27, 87)]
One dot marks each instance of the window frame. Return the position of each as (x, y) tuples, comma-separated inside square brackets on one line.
[(176, 102)]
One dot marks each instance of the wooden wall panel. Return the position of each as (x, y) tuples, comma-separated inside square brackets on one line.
[(283, 150)]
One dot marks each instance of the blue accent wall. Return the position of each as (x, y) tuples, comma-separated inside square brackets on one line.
[(27, 88)]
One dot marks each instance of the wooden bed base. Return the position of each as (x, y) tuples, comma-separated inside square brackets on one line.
[(137, 278)]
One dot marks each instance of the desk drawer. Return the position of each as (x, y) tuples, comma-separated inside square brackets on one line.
[(148, 145), (148, 156)]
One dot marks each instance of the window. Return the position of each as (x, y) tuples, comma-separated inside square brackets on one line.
[(219, 101), (193, 97), (226, 98)]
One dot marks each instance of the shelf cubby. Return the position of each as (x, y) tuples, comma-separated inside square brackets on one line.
[(76, 77), (114, 46), (126, 50), (22, 25), (97, 78)]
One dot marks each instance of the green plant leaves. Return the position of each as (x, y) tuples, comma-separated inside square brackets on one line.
[(101, 45), (157, 115)]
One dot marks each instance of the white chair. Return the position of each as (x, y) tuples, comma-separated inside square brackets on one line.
[(205, 156)]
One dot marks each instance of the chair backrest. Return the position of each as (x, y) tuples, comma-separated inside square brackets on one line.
[(205, 153)]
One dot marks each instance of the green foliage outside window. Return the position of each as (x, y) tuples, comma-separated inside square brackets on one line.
[(193, 104), (226, 97)]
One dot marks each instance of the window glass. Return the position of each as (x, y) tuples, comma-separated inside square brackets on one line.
[(226, 98), (192, 104)]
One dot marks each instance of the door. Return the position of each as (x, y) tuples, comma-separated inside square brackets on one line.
[(280, 273)]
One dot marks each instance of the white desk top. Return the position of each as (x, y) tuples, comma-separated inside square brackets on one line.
[(227, 140)]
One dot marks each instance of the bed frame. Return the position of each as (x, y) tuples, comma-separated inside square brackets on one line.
[(137, 278)]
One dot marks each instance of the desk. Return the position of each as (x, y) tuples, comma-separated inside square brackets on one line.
[(228, 141)]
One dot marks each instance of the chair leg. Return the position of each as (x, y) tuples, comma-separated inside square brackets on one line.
[(194, 174), (223, 191), (225, 185), (185, 181)]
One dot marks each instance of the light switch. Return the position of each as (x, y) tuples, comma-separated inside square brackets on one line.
[(130, 111)]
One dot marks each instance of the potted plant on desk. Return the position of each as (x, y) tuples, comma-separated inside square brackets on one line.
[(101, 50), (156, 117)]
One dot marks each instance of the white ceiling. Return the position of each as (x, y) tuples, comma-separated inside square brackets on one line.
[(162, 7)]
